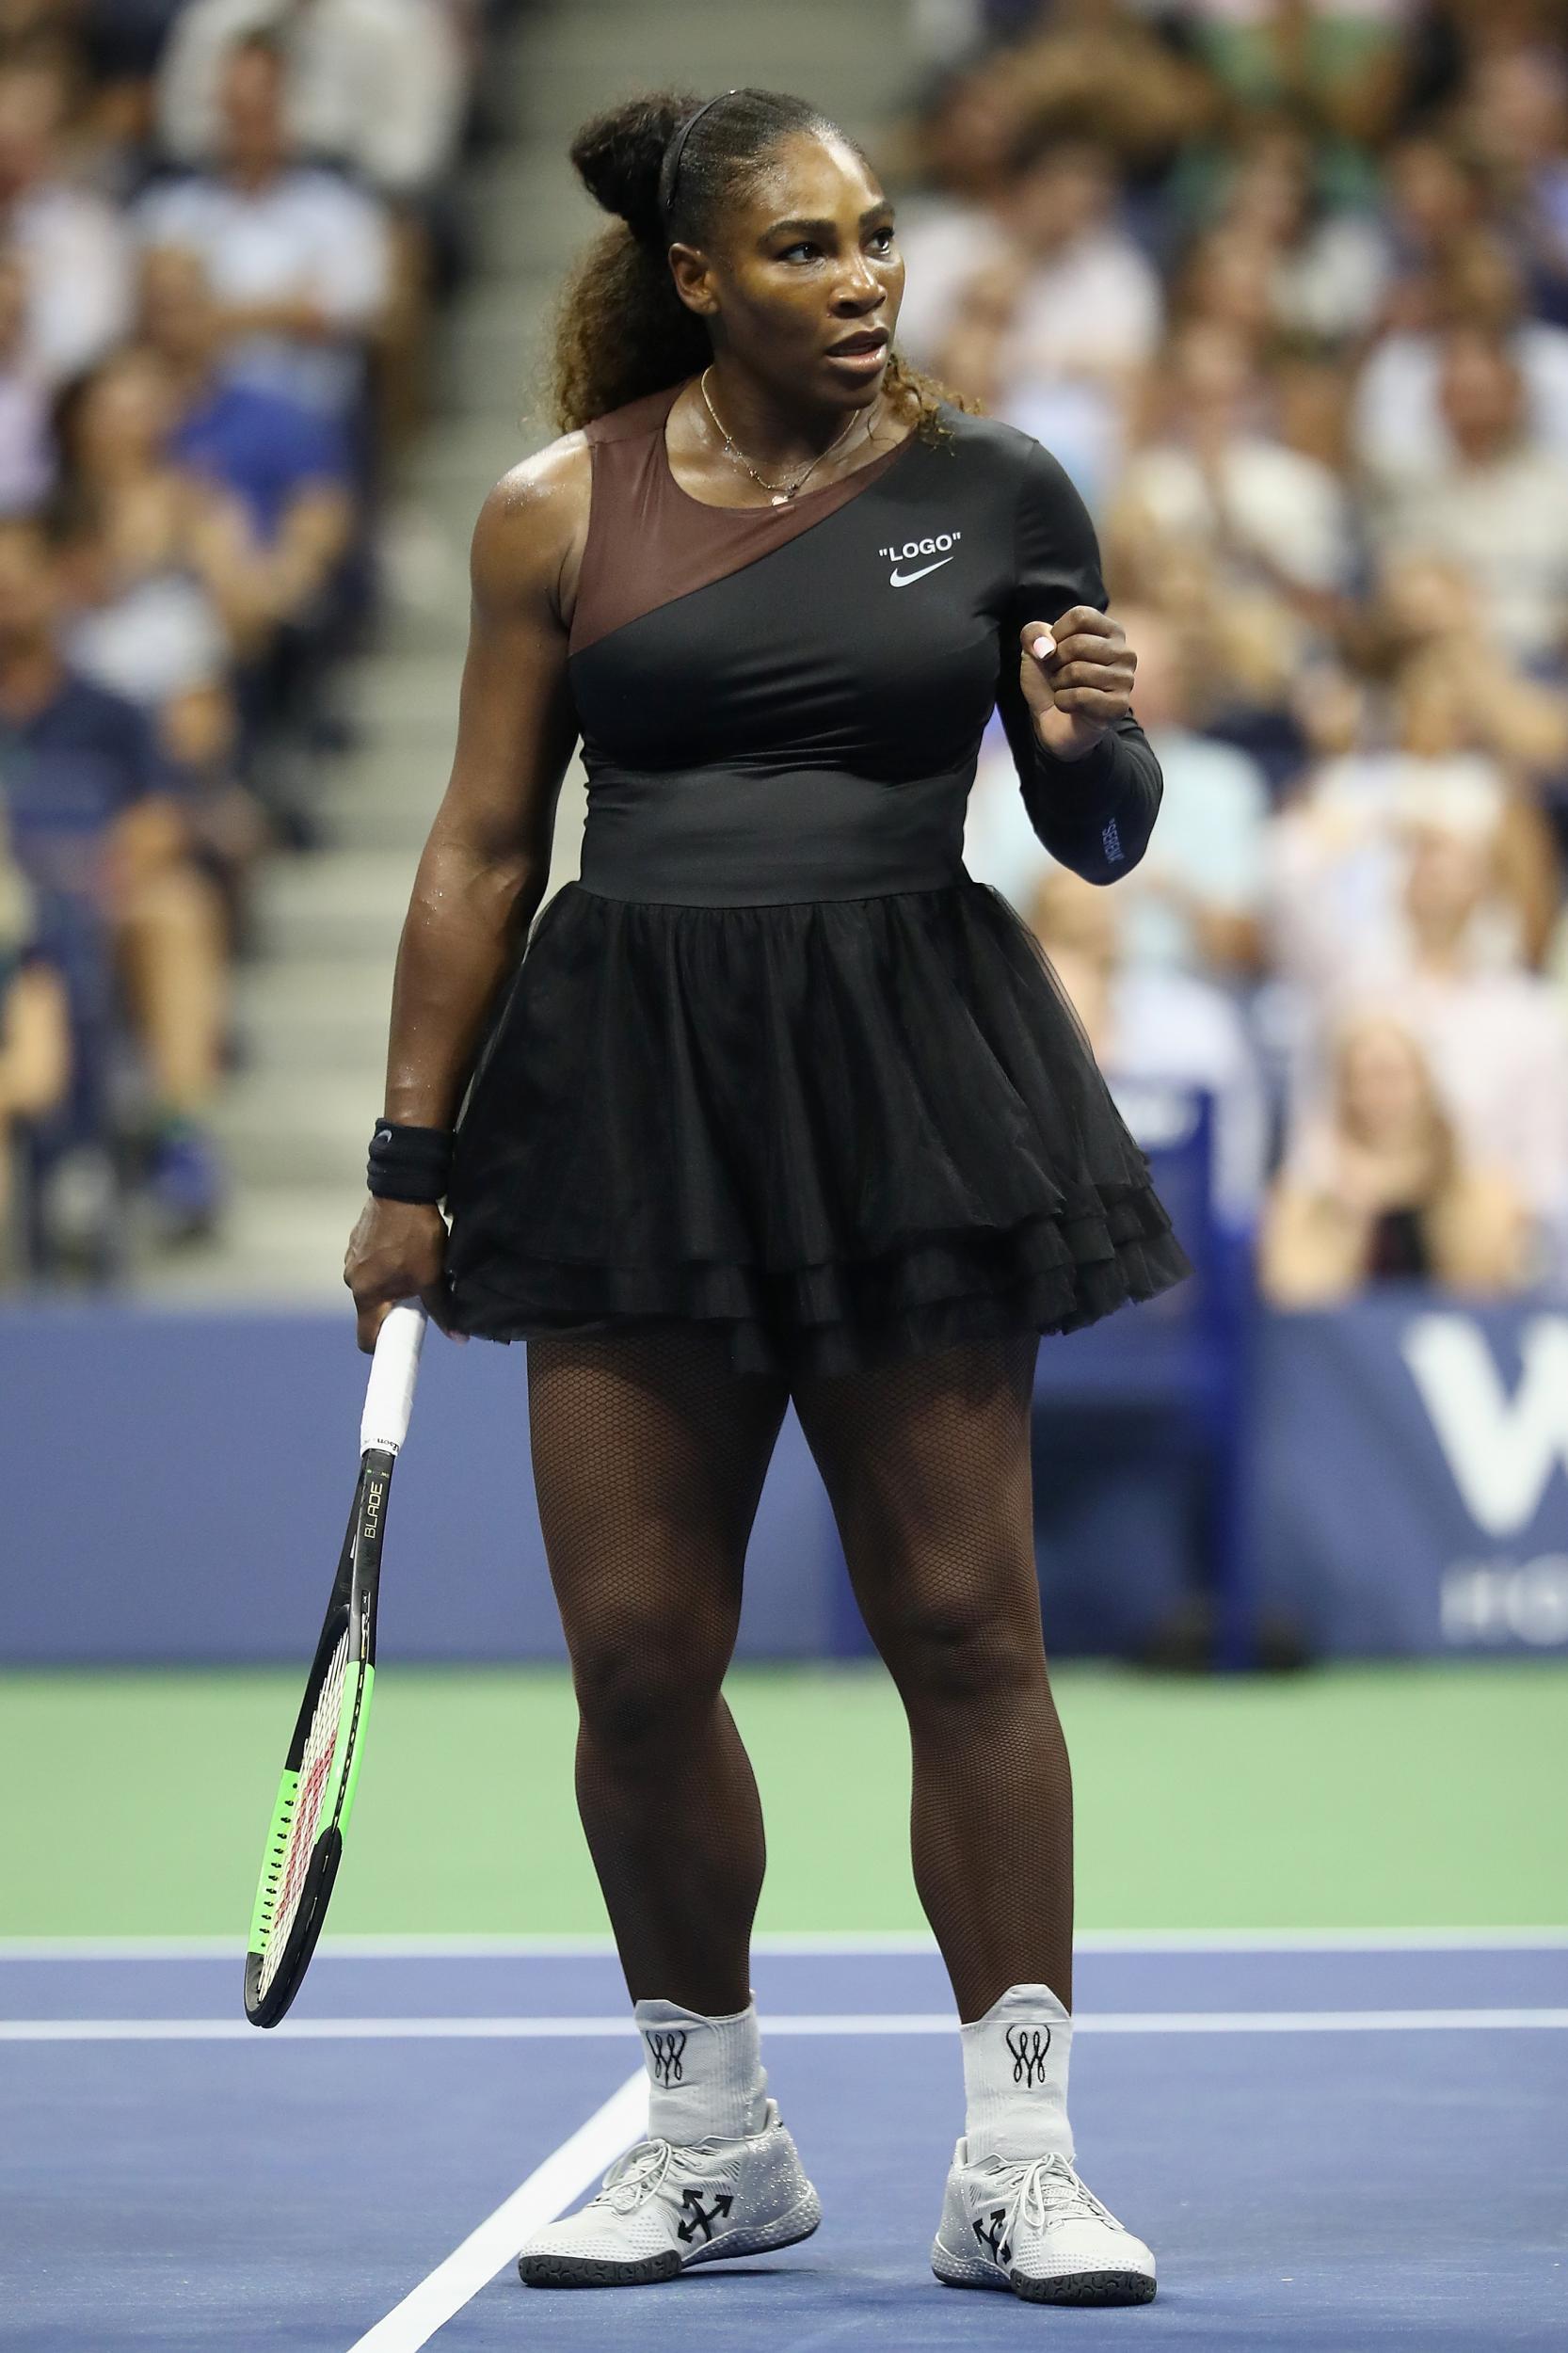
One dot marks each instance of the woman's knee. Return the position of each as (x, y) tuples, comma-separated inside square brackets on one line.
[(637, 1687), (963, 1646)]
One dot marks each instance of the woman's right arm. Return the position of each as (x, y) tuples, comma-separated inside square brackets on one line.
[(484, 869)]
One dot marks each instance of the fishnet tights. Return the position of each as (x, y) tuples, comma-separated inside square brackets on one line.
[(648, 1458)]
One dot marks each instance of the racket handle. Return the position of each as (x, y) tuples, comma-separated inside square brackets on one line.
[(393, 1371)]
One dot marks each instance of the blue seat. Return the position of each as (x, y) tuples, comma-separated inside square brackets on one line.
[(1183, 1355)]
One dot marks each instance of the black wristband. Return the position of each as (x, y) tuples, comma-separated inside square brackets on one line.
[(409, 1163)]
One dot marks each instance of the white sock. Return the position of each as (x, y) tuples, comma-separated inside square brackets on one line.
[(1016, 2077), (705, 2074)]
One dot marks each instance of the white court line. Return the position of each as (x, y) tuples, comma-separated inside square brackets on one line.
[(773, 2024), (549, 2188), (823, 1944)]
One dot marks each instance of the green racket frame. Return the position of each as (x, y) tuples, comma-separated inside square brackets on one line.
[(352, 1606)]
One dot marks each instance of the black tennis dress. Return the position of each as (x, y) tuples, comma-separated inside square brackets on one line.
[(775, 1064)]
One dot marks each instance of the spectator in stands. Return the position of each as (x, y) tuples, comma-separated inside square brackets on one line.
[(1226, 279), (176, 601), (34, 1035), (1194, 902), (26, 455), (960, 145), (1422, 616), (1156, 1031), (70, 241), (375, 85), (1045, 312), (1099, 71), (1494, 1033), (1327, 265), (101, 839), (153, 616), (298, 260), (290, 467), (1500, 507), (1516, 107), (1381, 1187), (1211, 469), (1436, 203), (1338, 857), (1398, 428)]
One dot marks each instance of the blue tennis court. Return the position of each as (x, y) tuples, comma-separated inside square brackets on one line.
[(1336, 2146)]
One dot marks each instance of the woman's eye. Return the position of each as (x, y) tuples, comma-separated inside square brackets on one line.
[(883, 240), (791, 251)]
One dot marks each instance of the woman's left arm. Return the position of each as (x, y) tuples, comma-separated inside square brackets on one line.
[(1090, 780)]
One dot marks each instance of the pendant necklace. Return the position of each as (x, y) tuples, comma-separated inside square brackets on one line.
[(779, 493)]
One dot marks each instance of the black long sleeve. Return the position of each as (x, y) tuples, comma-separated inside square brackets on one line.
[(1095, 814)]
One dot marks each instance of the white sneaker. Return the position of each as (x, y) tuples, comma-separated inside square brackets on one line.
[(664, 2208), (1033, 2228)]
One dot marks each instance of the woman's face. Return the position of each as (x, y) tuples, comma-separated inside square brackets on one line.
[(803, 286), (1432, 197), (125, 415), (1384, 1094)]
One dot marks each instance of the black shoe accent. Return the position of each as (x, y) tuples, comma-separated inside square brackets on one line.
[(588, 2271), (1086, 2287)]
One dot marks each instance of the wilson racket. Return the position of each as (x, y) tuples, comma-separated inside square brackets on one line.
[(315, 1796)]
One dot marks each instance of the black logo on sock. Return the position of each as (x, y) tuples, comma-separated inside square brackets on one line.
[(664, 2049), (701, 2217), (1029, 2045), (988, 2230)]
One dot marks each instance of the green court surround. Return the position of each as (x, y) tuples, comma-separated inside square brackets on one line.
[(1359, 1797)]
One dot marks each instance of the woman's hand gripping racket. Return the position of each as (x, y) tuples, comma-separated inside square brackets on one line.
[(309, 1822)]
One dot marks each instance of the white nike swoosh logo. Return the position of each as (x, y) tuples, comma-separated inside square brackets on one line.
[(906, 579)]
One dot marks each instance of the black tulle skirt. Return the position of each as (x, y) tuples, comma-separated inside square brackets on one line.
[(837, 1131)]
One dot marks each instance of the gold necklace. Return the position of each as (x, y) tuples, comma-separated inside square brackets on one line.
[(779, 493)]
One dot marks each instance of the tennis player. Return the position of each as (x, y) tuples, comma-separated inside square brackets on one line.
[(778, 1104)]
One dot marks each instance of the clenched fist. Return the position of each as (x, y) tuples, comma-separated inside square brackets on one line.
[(1076, 678)]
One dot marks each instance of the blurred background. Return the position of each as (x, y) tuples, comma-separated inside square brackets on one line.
[(1284, 283)]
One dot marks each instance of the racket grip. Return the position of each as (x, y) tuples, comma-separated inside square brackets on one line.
[(393, 1371)]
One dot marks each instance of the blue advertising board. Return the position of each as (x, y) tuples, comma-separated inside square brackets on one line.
[(1410, 1487), (172, 1487)]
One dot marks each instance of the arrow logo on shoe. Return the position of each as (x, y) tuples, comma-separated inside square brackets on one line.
[(702, 2218), (1001, 2252)]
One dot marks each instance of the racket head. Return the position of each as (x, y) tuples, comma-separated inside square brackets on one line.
[(316, 1795)]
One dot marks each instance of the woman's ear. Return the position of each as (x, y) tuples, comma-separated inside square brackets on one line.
[(693, 280)]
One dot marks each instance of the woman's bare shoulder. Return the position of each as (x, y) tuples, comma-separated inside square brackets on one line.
[(532, 525)]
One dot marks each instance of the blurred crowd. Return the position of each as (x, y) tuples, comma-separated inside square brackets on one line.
[(1284, 284), (225, 226)]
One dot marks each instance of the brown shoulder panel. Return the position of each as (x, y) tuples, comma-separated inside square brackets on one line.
[(650, 542)]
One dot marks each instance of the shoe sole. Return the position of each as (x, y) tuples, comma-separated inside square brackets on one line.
[(1068, 2287), (1086, 2287), (589, 2271)]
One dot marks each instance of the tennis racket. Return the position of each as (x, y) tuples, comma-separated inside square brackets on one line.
[(315, 1796)]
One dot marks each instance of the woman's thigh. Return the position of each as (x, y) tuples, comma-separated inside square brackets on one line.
[(927, 1463), (649, 1455)]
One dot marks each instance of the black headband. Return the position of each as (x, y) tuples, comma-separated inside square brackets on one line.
[(671, 168)]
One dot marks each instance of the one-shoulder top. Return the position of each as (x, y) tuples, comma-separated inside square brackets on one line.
[(787, 702)]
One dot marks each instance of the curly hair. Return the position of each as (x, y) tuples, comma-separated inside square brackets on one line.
[(621, 330)]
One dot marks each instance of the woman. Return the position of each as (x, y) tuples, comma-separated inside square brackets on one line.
[(780, 1103), (1380, 1189)]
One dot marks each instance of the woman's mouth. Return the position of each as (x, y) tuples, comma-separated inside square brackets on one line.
[(860, 355)]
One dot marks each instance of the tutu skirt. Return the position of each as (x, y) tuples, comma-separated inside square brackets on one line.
[(837, 1130)]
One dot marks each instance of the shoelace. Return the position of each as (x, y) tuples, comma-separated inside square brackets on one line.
[(1049, 2191), (636, 2176)]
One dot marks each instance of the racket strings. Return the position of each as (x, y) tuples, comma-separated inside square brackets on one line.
[(315, 1773)]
